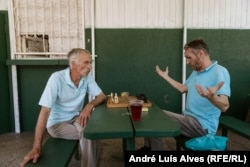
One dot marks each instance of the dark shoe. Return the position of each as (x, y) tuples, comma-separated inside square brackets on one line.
[(144, 148)]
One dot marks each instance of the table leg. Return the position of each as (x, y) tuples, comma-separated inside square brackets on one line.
[(128, 144)]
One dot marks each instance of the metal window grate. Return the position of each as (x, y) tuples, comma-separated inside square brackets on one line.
[(48, 28)]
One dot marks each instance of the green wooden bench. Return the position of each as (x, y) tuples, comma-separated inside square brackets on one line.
[(236, 125), (56, 153)]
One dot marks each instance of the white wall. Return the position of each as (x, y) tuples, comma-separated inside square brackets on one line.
[(62, 20), (216, 14), (139, 13), (167, 13), (4, 4), (211, 14)]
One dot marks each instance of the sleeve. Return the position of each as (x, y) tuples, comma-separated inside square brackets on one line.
[(50, 92), (224, 76), (93, 88)]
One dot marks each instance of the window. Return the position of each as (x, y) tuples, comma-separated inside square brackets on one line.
[(47, 29)]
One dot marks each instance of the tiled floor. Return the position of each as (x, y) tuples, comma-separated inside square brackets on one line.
[(14, 146)]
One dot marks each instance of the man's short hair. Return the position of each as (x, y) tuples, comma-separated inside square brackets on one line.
[(197, 44)]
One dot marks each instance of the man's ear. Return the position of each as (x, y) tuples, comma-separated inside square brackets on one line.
[(201, 53)]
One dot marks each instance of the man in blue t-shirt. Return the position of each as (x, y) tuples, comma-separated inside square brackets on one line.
[(207, 90), (63, 112)]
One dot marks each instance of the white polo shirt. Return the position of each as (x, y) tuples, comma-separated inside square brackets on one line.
[(64, 98)]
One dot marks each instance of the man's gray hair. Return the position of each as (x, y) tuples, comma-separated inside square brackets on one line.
[(74, 53)]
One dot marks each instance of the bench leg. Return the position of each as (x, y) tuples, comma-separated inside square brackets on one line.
[(178, 145), (180, 142), (224, 131)]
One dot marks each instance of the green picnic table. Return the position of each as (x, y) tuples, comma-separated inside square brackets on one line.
[(109, 123), (155, 123)]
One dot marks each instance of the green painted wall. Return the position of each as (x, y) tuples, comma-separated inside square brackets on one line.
[(31, 81), (127, 58), (126, 62), (5, 109)]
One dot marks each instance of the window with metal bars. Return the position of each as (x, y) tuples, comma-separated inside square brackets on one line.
[(47, 29)]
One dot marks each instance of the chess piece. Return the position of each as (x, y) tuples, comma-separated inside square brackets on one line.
[(116, 99), (111, 100)]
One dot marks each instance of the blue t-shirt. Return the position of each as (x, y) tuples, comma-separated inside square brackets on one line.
[(200, 107), (64, 98)]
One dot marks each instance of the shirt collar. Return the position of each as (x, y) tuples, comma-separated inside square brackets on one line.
[(214, 62), (68, 78)]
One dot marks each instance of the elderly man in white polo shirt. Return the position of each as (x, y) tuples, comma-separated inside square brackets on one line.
[(63, 112)]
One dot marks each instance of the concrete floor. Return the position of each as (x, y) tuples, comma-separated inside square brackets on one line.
[(14, 146)]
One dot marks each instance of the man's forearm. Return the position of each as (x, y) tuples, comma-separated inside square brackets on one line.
[(98, 100), (220, 101), (41, 126), (177, 85)]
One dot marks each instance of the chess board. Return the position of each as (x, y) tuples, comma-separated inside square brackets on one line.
[(124, 102)]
